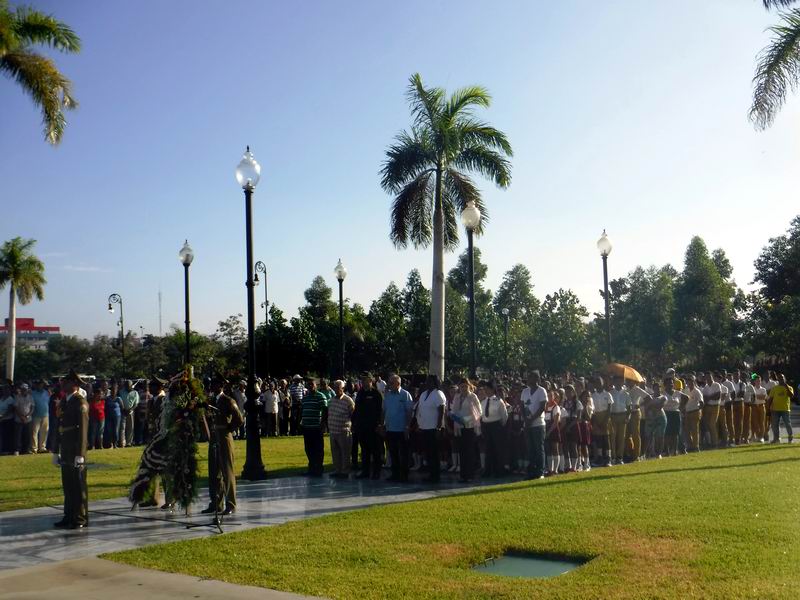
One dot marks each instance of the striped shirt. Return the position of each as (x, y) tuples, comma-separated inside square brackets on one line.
[(340, 412), (313, 404)]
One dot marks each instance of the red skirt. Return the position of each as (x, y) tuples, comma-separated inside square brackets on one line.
[(584, 433), (554, 436)]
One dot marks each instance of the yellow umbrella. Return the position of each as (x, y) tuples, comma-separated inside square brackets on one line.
[(624, 371)]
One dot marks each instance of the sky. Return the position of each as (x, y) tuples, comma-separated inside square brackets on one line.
[(623, 115)]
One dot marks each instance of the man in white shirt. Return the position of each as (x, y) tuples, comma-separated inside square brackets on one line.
[(712, 396), (601, 419), (534, 401), (692, 413), (269, 404), (430, 418), (620, 413), (747, 412), (380, 385), (729, 396)]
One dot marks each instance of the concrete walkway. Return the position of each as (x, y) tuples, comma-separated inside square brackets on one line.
[(95, 579)]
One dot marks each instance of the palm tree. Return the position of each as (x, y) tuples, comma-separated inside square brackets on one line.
[(426, 171), (778, 68), (24, 274), (20, 29)]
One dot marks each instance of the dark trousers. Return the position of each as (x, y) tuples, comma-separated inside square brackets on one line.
[(494, 434), (285, 417), (270, 424), (430, 445), (370, 443), (398, 450), (22, 437), (354, 450), (468, 445), (536, 452), (76, 495), (315, 449), (294, 421)]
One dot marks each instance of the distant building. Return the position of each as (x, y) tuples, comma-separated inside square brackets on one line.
[(30, 334)]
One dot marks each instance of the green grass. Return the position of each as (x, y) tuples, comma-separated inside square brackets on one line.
[(31, 480), (713, 525)]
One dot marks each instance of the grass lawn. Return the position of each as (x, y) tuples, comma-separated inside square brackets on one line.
[(720, 524), (31, 480)]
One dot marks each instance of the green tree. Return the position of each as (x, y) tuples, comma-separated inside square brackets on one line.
[(426, 170), (389, 326), (417, 313), (458, 277), (516, 294), (561, 341), (21, 29), (23, 273)]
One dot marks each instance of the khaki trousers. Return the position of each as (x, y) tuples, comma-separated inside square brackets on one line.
[(722, 423), (710, 418), (635, 433), (758, 413), (746, 422), (341, 444), (619, 422), (692, 425), (221, 476)]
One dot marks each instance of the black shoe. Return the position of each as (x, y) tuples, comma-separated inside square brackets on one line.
[(376, 476), (209, 511), (62, 524), (392, 478), (229, 510), (148, 504), (462, 480), (168, 506), (77, 525), (430, 480), (362, 476)]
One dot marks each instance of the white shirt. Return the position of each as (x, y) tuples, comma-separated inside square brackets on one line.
[(731, 390), (602, 401), (381, 385), (672, 401), (695, 399), (498, 411), (637, 394), (622, 401), (270, 402), (760, 394), (709, 390), (428, 409), (534, 400), (749, 393), (551, 412), (769, 384)]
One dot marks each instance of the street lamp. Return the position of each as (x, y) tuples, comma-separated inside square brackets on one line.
[(604, 246), (248, 172), (112, 300), (186, 256), (505, 312), (262, 268), (341, 273), (471, 218)]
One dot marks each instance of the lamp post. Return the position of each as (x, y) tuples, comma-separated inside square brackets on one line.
[(471, 218), (186, 256), (248, 172), (262, 268), (341, 273), (604, 246), (112, 300), (505, 338)]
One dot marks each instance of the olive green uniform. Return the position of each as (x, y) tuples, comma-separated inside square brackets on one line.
[(71, 441), (221, 476)]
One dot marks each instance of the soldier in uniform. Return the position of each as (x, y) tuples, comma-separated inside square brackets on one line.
[(225, 418), (154, 425), (69, 451)]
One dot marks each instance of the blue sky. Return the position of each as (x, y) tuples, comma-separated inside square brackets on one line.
[(624, 115)]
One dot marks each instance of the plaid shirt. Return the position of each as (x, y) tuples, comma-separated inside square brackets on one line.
[(340, 411)]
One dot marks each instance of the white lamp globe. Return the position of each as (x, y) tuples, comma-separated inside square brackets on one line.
[(471, 216), (604, 244), (340, 271), (186, 255), (248, 172)]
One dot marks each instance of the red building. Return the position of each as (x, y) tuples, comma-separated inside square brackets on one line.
[(30, 334)]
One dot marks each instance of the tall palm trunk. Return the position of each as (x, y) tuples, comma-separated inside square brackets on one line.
[(11, 338), (436, 362)]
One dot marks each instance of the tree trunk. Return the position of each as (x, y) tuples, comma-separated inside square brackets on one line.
[(11, 338), (436, 361)]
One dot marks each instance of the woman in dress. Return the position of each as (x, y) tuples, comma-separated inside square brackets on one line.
[(552, 416), (570, 417)]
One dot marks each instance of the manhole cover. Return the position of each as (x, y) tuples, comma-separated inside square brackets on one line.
[(528, 565)]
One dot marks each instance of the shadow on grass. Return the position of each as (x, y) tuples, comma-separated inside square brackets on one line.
[(559, 482)]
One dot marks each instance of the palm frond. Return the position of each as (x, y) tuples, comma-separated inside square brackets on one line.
[(34, 27), (487, 162), (459, 190), (412, 211), (464, 99), (40, 78), (425, 103), (768, 4), (406, 158), (479, 133), (778, 70)]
